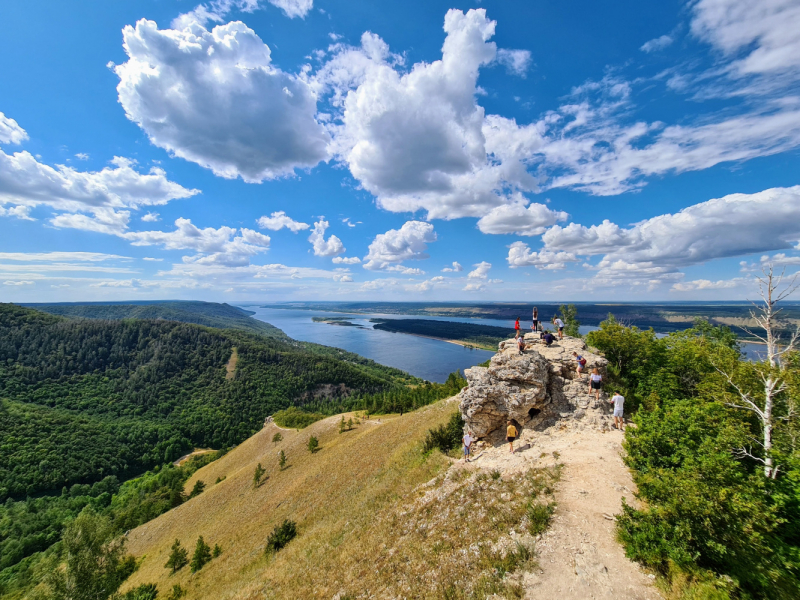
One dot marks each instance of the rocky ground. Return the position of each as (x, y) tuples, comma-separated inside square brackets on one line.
[(578, 555)]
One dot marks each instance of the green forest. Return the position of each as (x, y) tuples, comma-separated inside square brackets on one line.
[(145, 392), (717, 521)]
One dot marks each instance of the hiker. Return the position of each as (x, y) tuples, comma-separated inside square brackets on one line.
[(581, 362), (511, 435), (467, 440), (560, 324), (548, 338), (521, 344), (595, 383), (535, 325), (618, 401), (516, 328)]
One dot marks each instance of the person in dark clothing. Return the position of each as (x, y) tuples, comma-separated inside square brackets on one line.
[(548, 338)]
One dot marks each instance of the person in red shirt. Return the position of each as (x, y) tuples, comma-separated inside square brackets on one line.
[(516, 328)]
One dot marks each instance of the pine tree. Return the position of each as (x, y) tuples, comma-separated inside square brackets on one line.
[(259, 473), (349, 424), (198, 488), (341, 425), (178, 557), (202, 554), (277, 438), (282, 460), (217, 551), (313, 444)]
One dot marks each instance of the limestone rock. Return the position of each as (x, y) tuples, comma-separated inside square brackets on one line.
[(540, 383)]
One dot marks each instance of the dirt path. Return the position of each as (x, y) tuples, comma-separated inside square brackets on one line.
[(578, 555), (186, 457), (230, 368)]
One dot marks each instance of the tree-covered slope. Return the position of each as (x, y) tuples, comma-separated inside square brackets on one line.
[(210, 314), (83, 399)]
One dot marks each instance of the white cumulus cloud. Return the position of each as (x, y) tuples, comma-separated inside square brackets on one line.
[(322, 247), (279, 220), (454, 268), (396, 245), (520, 255), (516, 218), (344, 260), (215, 98), (517, 62), (481, 270), (656, 44), (10, 131)]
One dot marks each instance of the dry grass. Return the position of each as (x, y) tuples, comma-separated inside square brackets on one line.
[(230, 366), (376, 518)]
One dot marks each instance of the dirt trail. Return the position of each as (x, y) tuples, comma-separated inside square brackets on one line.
[(578, 555), (230, 368)]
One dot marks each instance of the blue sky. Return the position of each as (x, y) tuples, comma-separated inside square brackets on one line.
[(240, 150)]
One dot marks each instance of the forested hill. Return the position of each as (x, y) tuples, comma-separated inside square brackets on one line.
[(83, 399), (210, 314)]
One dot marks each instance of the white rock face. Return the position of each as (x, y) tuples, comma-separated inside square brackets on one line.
[(538, 385)]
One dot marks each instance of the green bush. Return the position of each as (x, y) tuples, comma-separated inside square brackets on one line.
[(445, 437), (280, 536), (539, 516), (146, 591), (199, 487), (313, 444), (295, 418), (176, 593)]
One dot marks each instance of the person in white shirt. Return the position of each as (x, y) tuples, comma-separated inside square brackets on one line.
[(467, 440), (595, 383), (618, 401), (560, 324)]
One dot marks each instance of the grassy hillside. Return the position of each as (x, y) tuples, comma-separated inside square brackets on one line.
[(209, 314), (367, 524)]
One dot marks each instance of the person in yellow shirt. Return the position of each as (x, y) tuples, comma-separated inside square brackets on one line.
[(511, 435)]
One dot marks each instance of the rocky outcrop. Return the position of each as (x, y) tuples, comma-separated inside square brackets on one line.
[(539, 385)]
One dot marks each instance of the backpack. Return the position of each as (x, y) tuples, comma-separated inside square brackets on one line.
[(582, 362)]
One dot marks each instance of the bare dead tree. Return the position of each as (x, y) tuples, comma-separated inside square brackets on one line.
[(772, 290)]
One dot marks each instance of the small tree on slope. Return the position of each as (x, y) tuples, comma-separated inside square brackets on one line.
[(202, 555), (178, 557)]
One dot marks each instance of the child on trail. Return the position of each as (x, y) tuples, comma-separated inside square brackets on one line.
[(618, 401), (548, 338), (560, 324), (595, 383), (521, 344), (511, 435), (581, 362), (516, 328), (467, 440), (535, 325)]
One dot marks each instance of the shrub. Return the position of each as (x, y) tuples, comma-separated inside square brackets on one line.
[(445, 437), (217, 551), (295, 418), (198, 488), (146, 591), (277, 438), (313, 444), (201, 556), (177, 592), (178, 557), (280, 536)]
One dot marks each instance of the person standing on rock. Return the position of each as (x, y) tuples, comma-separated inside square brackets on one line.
[(560, 324), (581, 362), (467, 440), (618, 401), (511, 435), (595, 383), (516, 328), (535, 325)]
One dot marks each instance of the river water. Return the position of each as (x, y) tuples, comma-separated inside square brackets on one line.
[(426, 358)]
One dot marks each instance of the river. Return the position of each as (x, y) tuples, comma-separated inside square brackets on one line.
[(426, 358)]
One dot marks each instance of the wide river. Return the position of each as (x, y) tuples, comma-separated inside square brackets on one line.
[(426, 358)]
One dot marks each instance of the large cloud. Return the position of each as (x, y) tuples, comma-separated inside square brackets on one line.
[(215, 98), (396, 245), (213, 246), (416, 139), (26, 182), (734, 225)]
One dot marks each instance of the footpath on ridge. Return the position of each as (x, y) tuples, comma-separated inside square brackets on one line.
[(579, 556)]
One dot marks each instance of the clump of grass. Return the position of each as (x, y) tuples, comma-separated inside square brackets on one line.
[(539, 516), (495, 474)]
